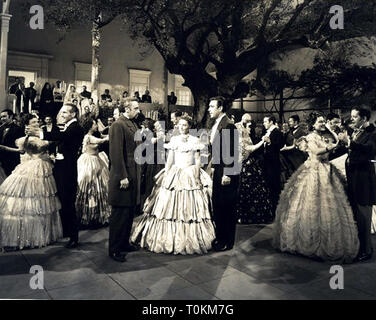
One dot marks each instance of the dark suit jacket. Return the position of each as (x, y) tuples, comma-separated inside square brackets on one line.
[(224, 147), (69, 143), (123, 164), (8, 138), (295, 157), (272, 151), (172, 99), (86, 94), (361, 176), (30, 94), (146, 99)]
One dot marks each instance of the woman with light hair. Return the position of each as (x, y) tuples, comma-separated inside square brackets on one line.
[(177, 214)]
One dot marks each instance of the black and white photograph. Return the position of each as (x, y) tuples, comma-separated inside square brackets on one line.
[(191, 150)]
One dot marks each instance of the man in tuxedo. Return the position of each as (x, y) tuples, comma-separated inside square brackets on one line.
[(224, 147), (69, 142), (361, 176), (9, 133), (294, 156), (125, 180), (273, 142), (333, 121), (30, 95)]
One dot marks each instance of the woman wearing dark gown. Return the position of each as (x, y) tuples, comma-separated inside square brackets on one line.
[(254, 205), (153, 135), (47, 102)]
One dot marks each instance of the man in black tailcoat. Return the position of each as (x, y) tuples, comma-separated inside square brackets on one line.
[(224, 145), (9, 133), (361, 176), (69, 142), (273, 142)]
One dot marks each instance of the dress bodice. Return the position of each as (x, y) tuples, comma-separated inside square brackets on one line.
[(89, 145), (314, 142), (184, 150), (34, 148)]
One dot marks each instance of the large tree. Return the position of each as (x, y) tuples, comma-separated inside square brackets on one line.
[(67, 15), (214, 44), (336, 77)]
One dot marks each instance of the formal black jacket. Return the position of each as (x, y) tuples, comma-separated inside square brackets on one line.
[(69, 144), (146, 99), (30, 94), (8, 136), (360, 171), (172, 99), (272, 150), (225, 150)]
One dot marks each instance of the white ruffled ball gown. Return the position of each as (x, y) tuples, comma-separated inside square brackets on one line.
[(177, 215), (314, 217), (29, 207)]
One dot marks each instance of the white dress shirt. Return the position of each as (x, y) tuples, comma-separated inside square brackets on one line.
[(215, 128)]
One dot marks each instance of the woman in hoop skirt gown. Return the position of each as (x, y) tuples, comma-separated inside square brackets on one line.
[(177, 214), (314, 217), (93, 175), (29, 207), (254, 202)]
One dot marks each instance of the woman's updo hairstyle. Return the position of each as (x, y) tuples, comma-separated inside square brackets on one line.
[(187, 118), (312, 118), (86, 122)]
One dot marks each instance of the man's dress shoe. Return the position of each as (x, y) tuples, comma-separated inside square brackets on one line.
[(131, 248), (119, 257), (72, 244)]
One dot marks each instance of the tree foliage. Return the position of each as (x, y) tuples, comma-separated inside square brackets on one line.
[(66, 15), (334, 76), (214, 44)]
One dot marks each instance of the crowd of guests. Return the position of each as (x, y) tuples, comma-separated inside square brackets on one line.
[(82, 173), (52, 97)]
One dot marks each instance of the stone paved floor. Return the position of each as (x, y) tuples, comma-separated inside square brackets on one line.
[(252, 270)]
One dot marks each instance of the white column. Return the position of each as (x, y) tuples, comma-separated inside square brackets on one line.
[(5, 19)]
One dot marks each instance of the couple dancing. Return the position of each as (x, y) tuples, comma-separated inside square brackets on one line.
[(315, 217), (37, 199), (178, 214)]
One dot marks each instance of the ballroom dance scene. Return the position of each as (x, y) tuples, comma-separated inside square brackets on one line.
[(140, 163)]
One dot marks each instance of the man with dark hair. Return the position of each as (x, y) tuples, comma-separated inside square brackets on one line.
[(146, 98), (361, 176), (30, 95), (333, 122), (224, 144), (9, 133), (69, 142), (85, 94), (273, 142), (294, 157), (106, 96), (124, 184), (172, 99), (18, 89)]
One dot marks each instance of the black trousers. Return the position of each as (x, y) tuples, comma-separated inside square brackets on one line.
[(121, 222), (363, 218), (66, 191), (272, 173), (224, 214)]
